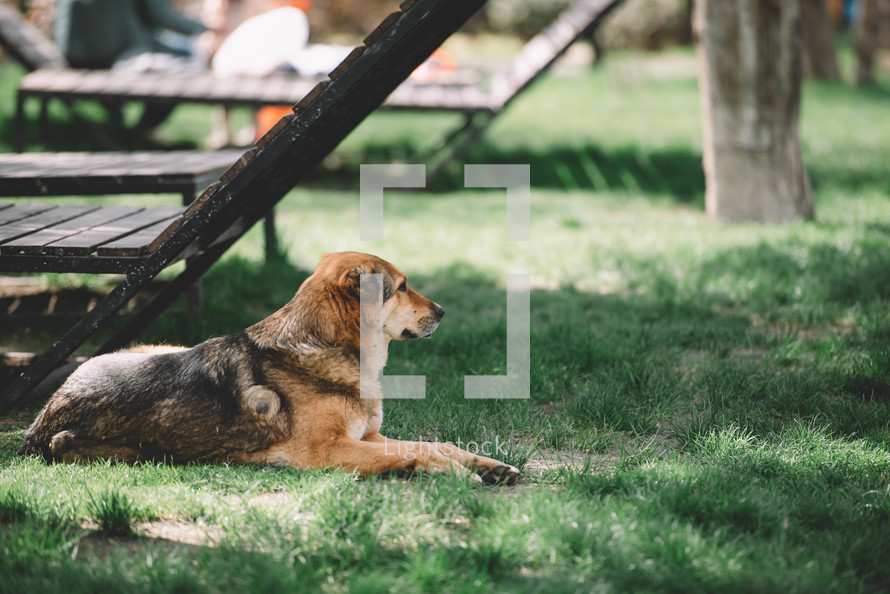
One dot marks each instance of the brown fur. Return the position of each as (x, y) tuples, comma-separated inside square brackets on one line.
[(287, 390)]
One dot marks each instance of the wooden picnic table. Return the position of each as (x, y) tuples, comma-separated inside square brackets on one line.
[(70, 85)]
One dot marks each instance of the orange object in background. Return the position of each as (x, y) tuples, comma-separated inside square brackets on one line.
[(439, 61), (303, 5), (266, 117)]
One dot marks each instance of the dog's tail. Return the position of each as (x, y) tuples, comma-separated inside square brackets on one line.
[(36, 442), (29, 449)]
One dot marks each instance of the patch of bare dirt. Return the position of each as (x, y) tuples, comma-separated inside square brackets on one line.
[(545, 461), (169, 534), (180, 532)]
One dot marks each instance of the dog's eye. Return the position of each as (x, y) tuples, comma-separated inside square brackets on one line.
[(403, 287)]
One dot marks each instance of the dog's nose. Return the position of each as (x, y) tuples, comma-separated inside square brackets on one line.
[(439, 312)]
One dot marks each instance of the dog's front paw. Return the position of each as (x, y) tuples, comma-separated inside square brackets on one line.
[(503, 474)]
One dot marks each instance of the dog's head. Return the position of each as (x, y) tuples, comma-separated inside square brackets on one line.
[(327, 310), (388, 300)]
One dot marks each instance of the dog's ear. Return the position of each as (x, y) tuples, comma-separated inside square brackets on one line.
[(351, 280)]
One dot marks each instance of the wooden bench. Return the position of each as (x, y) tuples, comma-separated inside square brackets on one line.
[(78, 174), (63, 231), (479, 103)]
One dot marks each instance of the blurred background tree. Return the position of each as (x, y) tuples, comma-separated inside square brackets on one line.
[(819, 55), (750, 85)]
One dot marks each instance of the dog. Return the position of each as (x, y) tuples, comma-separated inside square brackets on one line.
[(299, 388)]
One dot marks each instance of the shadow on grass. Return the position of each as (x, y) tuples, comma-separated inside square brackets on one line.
[(89, 130), (629, 362), (698, 351), (816, 275), (850, 177), (674, 173)]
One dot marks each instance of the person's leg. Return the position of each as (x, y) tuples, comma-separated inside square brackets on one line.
[(155, 113)]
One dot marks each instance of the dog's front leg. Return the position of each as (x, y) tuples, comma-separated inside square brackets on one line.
[(491, 470), (387, 455)]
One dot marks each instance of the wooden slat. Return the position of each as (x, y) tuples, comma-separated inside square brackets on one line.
[(202, 199), (88, 241), (41, 221), (35, 243), (22, 211), (24, 359), (239, 165), (388, 22), (165, 234), (63, 79), (113, 164), (274, 130), (311, 96), (352, 57), (138, 243), (40, 174)]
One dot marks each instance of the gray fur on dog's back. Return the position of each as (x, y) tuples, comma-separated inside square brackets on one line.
[(136, 406)]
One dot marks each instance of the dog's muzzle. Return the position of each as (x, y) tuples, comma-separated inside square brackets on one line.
[(428, 325)]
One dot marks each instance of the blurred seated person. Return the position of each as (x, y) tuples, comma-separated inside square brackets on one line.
[(265, 43), (278, 41), (274, 41), (126, 35)]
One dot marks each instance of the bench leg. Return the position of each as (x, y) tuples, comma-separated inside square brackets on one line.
[(43, 122), (19, 392), (271, 235), (469, 132), (194, 296), (446, 140), (15, 393), (20, 124), (186, 281)]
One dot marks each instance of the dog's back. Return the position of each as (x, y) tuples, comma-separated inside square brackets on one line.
[(135, 406)]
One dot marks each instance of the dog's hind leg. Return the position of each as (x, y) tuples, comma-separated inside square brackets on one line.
[(66, 446)]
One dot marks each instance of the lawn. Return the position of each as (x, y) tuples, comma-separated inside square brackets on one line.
[(709, 403)]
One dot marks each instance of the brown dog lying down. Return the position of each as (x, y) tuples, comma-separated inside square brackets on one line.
[(284, 391)]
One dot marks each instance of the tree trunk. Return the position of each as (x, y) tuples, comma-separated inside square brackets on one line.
[(866, 41), (819, 58), (749, 82)]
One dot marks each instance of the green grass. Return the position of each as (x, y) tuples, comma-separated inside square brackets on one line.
[(709, 403)]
